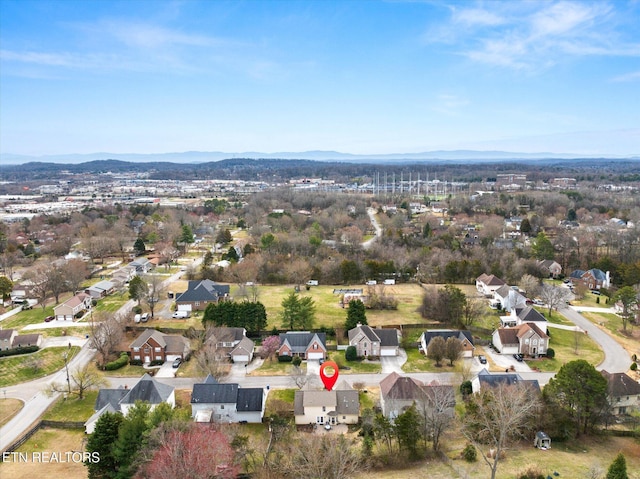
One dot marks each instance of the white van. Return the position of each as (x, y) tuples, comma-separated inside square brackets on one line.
[(136, 318), (312, 282), (180, 315), (371, 282), (389, 281)]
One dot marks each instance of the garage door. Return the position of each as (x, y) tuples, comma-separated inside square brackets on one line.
[(184, 307), (315, 355), (388, 352), (241, 359), (173, 357)]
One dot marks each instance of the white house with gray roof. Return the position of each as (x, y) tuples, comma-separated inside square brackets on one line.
[(326, 407), (212, 401)]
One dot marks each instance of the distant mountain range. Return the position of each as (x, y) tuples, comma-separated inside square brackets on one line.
[(208, 156)]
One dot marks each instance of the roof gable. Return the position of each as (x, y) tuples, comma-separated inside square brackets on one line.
[(249, 399), (148, 390)]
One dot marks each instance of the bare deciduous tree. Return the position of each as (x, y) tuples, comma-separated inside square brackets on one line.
[(436, 408), (212, 359), (497, 415), (79, 382), (299, 377), (553, 296), (154, 291), (106, 333)]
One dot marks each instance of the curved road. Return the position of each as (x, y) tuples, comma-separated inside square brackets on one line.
[(374, 222), (616, 358)]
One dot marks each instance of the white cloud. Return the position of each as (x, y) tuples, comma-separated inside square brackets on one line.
[(627, 77), (477, 16)]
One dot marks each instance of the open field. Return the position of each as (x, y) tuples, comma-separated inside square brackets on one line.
[(613, 324), (25, 367), (9, 408)]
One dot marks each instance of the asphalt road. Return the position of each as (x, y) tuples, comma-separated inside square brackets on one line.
[(616, 359)]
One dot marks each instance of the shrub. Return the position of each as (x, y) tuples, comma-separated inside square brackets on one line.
[(156, 362), (634, 366), (469, 453), (23, 350), (118, 363), (551, 353), (296, 361), (373, 358), (351, 354), (136, 362), (79, 314), (466, 388), (285, 359), (137, 310)]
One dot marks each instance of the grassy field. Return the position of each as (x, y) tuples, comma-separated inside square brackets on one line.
[(22, 368), (78, 332), (30, 316), (48, 440), (72, 409), (9, 408), (275, 368), (563, 343), (356, 367), (112, 303), (417, 363), (613, 324)]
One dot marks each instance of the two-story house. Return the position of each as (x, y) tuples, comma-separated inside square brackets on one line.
[(233, 343), (623, 393), (326, 407), (374, 342), (152, 345), (212, 401), (488, 283), (398, 393)]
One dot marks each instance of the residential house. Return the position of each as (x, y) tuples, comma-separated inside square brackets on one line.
[(123, 275), (487, 284), (508, 298), (397, 393), (326, 407), (201, 293), (152, 345), (147, 390), (304, 344), (100, 289), (464, 336), (73, 306), (212, 401), (550, 268), (374, 342), (592, 279), (10, 339), (624, 393), (527, 314), (486, 379), (526, 339), (141, 265), (233, 343)]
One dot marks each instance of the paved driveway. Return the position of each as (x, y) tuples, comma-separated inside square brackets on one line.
[(506, 361), (166, 370), (392, 364)]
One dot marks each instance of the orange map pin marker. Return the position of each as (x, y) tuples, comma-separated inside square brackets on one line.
[(329, 381)]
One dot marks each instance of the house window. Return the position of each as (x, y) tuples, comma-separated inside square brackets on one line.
[(315, 346), (157, 350), (222, 406), (147, 350), (365, 345), (324, 408), (319, 419), (135, 350), (344, 417), (137, 356), (197, 303), (622, 410), (158, 358)]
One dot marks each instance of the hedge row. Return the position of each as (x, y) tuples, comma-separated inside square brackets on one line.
[(24, 350), (118, 363)]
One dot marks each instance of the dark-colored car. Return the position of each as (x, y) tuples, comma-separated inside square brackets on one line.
[(177, 362), (518, 357), (482, 359), (48, 319)]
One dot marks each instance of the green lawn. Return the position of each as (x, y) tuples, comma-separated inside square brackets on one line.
[(72, 409), (417, 363), (57, 332), (25, 367), (330, 314), (112, 303), (30, 316), (563, 342), (356, 367), (286, 395), (275, 368)]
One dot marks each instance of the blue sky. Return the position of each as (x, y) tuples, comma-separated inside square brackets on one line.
[(366, 77)]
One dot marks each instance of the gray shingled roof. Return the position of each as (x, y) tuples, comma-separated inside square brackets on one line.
[(348, 402), (205, 290), (249, 399), (148, 390), (530, 314), (209, 393), (144, 337), (446, 334), (110, 396), (299, 340), (620, 384), (491, 380)]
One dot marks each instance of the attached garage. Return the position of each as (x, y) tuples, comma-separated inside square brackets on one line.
[(184, 307), (173, 357), (388, 351), (319, 355)]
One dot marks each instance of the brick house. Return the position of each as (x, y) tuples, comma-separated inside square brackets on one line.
[(304, 344), (200, 293), (153, 345)]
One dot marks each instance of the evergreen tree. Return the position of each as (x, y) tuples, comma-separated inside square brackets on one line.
[(298, 313), (101, 442), (408, 429), (131, 436), (356, 313), (618, 468), (542, 247), (137, 288), (139, 247), (187, 235)]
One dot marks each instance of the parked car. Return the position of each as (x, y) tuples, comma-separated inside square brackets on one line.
[(177, 362), (518, 357), (144, 317), (49, 319), (482, 359), (327, 426), (371, 282)]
